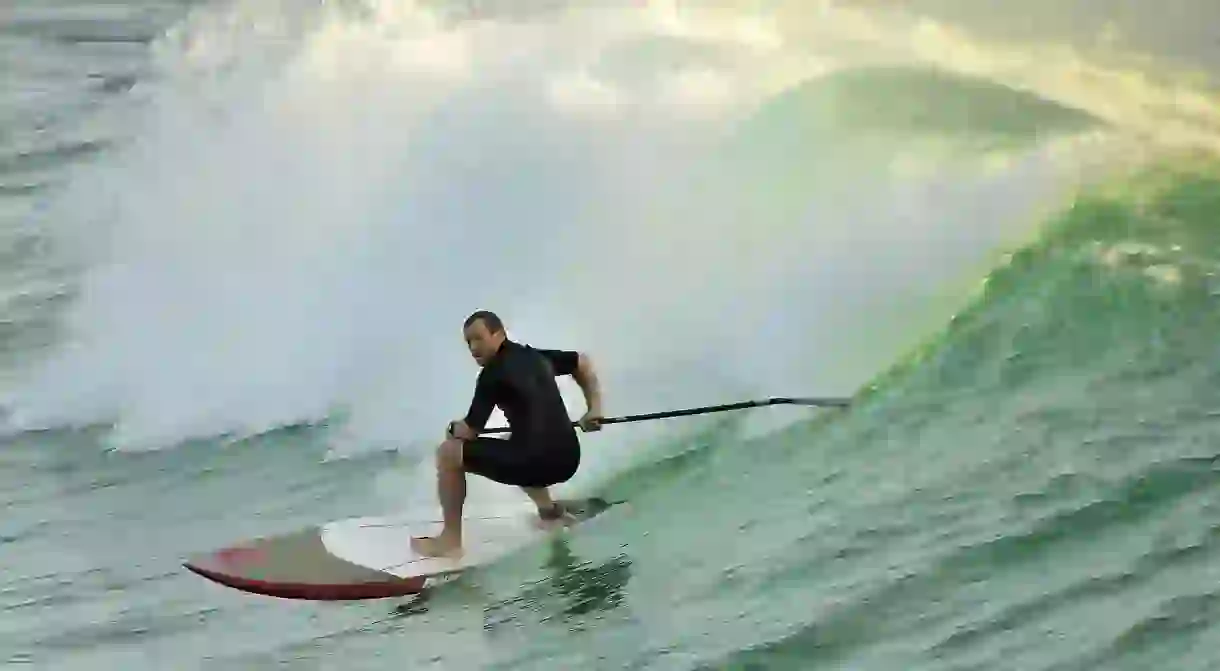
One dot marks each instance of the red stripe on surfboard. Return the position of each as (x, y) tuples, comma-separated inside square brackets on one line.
[(298, 565), (315, 591)]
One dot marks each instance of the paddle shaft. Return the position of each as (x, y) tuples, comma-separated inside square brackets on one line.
[(821, 402)]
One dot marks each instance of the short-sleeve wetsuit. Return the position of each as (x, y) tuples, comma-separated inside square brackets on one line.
[(543, 448)]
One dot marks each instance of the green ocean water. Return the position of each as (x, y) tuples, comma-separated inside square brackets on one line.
[(1029, 484)]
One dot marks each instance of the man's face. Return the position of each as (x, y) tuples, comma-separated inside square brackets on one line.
[(481, 341)]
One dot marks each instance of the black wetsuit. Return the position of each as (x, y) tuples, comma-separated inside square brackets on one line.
[(543, 448)]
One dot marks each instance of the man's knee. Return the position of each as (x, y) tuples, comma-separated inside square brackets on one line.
[(449, 454)]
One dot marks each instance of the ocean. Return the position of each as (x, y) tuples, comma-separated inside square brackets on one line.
[(239, 239)]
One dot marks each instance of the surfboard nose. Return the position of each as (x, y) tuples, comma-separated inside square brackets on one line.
[(297, 566)]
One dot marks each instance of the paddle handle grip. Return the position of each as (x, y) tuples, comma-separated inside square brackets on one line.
[(819, 402)]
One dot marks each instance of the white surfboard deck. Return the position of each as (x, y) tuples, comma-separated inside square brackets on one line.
[(384, 543)]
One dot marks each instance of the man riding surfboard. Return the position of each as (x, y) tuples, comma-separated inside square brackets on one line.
[(543, 448)]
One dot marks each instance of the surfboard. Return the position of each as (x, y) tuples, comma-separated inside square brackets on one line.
[(371, 557)]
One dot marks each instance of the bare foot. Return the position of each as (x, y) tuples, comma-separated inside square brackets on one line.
[(439, 546), (549, 522)]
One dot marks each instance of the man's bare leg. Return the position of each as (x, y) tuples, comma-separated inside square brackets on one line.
[(451, 490), (548, 511)]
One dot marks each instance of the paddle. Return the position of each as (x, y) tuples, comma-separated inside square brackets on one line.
[(826, 402)]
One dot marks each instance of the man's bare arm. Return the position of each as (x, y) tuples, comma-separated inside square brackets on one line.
[(585, 376)]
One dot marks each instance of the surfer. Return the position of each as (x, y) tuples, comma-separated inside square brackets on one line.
[(542, 449)]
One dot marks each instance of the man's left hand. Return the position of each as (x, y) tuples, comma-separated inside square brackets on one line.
[(591, 421)]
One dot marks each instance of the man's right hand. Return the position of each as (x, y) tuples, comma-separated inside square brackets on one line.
[(460, 430)]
